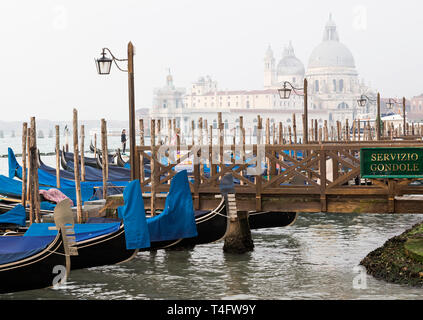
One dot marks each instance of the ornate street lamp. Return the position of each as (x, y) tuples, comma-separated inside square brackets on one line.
[(285, 93), (104, 65), (391, 103), (362, 102)]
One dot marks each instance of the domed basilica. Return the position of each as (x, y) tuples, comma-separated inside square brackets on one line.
[(333, 84), (333, 91)]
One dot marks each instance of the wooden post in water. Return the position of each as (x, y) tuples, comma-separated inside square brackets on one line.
[(325, 131), (82, 152), (294, 128), (57, 156), (142, 172), (169, 130), (95, 145), (76, 167), (347, 130), (159, 131), (153, 167), (28, 180), (34, 164), (238, 237), (104, 152), (31, 187), (24, 168), (192, 133), (316, 128)]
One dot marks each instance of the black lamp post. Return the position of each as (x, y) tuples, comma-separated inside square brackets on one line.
[(285, 93), (104, 65)]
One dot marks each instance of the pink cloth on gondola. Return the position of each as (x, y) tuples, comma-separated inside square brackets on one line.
[(54, 195)]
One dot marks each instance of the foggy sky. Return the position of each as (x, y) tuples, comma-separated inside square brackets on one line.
[(48, 48)]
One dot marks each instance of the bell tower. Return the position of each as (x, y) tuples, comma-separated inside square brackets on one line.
[(269, 68)]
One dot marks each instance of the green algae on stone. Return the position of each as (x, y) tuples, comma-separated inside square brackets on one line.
[(393, 262)]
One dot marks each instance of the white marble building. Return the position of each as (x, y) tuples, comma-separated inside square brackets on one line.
[(333, 89)]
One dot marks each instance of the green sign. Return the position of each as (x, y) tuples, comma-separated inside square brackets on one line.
[(391, 162)]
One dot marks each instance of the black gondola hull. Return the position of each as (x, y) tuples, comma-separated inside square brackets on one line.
[(262, 220), (103, 250), (211, 227), (34, 272)]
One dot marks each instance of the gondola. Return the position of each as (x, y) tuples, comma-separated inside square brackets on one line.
[(119, 161), (96, 244), (99, 163), (116, 174), (211, 227), (33, 262), (103, 250), (262, 220), (97, 150), (35, 269), (88, 161)]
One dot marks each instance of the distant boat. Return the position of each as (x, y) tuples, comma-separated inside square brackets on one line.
[(1, 134), (13, 134), (50, 134), (40, 134)]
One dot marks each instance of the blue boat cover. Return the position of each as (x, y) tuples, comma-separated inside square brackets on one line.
[(47, 175), (177, 221), (17, 215), (95, 174), (13, 188), (83, 231), (15, 248), (134, 218)]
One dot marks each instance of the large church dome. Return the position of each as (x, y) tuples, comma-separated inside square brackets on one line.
[(290, 64), (331, 52)]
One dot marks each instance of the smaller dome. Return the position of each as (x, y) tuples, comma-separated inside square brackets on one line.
[(290, 64)]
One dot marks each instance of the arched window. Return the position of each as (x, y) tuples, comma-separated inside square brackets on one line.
[(214, 124), (341, 85), (226, 124), (316, 85), (334, 85)]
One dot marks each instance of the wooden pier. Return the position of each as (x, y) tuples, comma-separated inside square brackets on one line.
[(322, 176)]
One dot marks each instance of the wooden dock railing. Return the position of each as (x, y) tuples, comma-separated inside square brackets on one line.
[(321, 177)]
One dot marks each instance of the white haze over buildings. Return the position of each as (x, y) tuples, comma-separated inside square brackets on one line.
[(48, 48)]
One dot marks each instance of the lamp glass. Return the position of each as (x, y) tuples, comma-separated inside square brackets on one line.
[(284, 93), (104, 65), (362, 102)]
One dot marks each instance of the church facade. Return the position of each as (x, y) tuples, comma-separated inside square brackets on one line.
[(333, 90)]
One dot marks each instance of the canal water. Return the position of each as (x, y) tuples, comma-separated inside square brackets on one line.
[(315, 258)]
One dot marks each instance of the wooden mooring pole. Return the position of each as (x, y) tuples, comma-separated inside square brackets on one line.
[(24, 175), (104, 152), (76, 167), (57, 156), (238, 237)]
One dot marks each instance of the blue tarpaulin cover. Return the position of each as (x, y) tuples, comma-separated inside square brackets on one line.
[(134, 218), (13, 188), (47, 175), (15, 248), (17, 215), (177, 219), (83, 231)]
